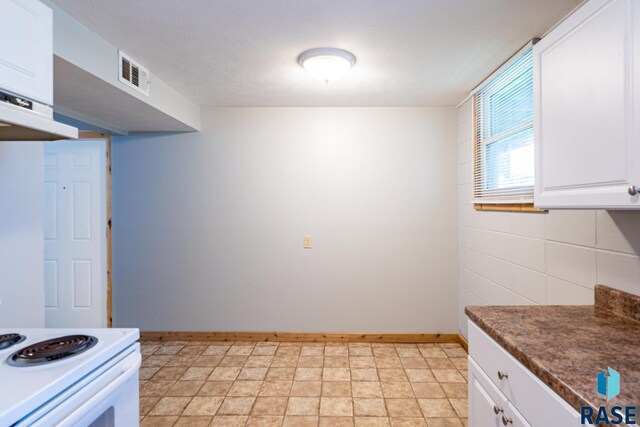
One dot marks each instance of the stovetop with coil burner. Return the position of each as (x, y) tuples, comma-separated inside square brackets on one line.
[(52, 350), (10, 339), (51, 361)]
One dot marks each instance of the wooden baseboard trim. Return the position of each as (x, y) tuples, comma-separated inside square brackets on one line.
[(299, 337), (463, 342)]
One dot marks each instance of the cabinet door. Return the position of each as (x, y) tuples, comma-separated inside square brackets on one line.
[(587, 151), (26, 49), (482, 409), (488, 407)]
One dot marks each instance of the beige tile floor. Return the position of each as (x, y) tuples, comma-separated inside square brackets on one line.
[(302, 384)]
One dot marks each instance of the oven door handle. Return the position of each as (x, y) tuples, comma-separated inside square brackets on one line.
[(129, 368), (125, 376)]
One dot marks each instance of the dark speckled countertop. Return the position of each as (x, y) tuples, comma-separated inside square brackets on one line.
[(567, 346)]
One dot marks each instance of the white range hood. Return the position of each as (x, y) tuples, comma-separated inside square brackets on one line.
[(19, 124)]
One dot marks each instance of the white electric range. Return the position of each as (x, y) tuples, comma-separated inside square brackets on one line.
[(72, 377)]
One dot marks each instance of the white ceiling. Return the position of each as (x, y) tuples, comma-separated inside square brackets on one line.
[(243, 52)]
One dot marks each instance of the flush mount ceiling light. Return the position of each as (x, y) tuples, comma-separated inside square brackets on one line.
[(326, 63)]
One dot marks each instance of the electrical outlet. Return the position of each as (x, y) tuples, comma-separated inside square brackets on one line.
[(307, 242)]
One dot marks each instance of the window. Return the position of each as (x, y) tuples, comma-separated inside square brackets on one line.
[(503, 141)]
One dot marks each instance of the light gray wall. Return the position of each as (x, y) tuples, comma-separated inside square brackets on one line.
[(208, 227), (534, 258), (21, 235)]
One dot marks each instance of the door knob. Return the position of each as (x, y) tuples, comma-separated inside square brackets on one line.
[(633, 190), (506, 421), (502, 375), (497, 409)]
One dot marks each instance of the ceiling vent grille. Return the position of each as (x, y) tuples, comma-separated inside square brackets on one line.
[(133, 74)]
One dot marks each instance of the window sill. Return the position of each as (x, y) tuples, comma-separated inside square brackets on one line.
[(508, 207)]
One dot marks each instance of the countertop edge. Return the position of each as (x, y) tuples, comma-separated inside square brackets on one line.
[(554, 383)]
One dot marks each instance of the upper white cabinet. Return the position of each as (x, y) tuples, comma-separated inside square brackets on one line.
[(587, 109), (26, 50)]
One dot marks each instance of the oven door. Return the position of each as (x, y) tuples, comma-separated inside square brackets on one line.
[(108, 400)]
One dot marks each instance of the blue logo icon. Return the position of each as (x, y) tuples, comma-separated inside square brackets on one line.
[(609, 383)]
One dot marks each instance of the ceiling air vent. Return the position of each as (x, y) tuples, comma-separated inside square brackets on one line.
[(133, 74)]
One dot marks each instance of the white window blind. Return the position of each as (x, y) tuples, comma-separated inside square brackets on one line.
[(503, 141)]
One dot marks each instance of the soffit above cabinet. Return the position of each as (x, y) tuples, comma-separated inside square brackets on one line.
[(82, 96)]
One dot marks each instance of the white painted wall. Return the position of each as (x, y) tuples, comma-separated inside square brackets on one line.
[(534, 258), (208, 227), (21, 235)]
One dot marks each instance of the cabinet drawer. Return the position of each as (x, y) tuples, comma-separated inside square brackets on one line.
[(487, 406), (539, 405)]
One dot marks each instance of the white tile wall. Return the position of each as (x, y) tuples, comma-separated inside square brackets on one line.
[(534, 258), (572, 226), (562, 292), (528, 252), (618, 231), (621, 269), (576, 264), (528, 225), (529, 284)]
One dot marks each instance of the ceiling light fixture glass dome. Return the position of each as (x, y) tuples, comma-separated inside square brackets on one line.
[(326, 63)]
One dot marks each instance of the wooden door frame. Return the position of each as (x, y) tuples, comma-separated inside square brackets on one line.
[(107, 138)]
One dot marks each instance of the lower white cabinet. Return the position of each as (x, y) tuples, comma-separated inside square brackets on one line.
[(503, 392), (487, 406)]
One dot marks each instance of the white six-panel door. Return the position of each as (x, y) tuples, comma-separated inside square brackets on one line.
[(75, 233)]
